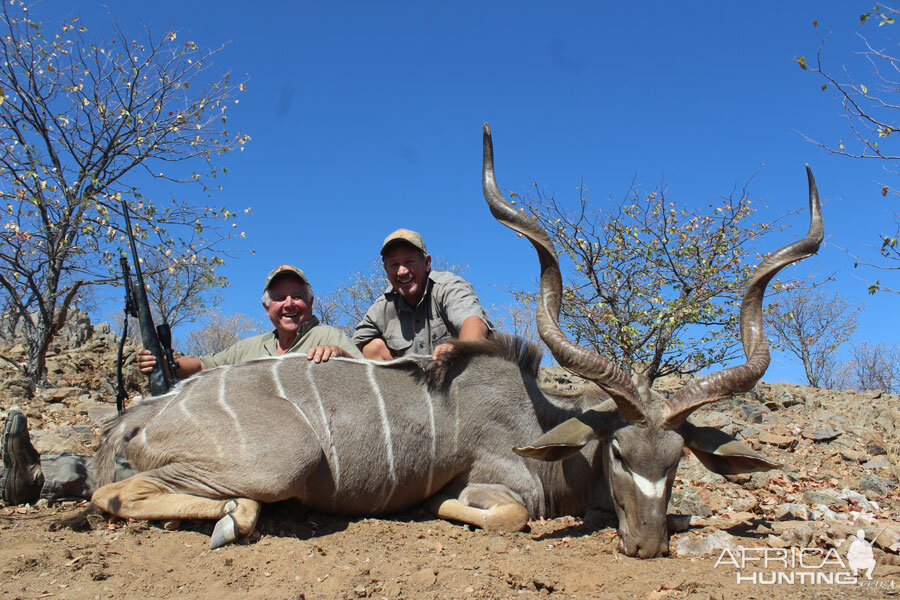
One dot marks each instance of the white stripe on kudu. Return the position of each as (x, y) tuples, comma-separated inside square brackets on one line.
[(326, 429), (651, 489), (279, 388), (229, 410), (428, 490), (388, 443)]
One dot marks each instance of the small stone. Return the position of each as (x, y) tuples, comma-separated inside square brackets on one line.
[(423, 579), (799, 536), (59, 394), (823, 497), (360, 591), (543, 582), (874, 483), (820, 512), (858, 499), (101, 413), (825, 434), (55, 408), (793, 511), (779, 441), (701, 545), (498, 544), (853, 456), (877, 463)]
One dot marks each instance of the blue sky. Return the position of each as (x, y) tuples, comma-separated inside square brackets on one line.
[(366, 117)]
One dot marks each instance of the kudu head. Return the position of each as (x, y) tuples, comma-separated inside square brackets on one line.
[(643, 433)]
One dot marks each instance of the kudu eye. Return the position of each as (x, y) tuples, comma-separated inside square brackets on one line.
[(616, 452)]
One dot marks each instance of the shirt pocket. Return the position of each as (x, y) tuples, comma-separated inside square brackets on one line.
[(394, 338), (439, 332)]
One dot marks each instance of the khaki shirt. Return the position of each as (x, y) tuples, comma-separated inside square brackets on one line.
[(448, 301), (311, 334)]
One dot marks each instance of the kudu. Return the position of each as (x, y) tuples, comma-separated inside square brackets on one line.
[(366, 438)]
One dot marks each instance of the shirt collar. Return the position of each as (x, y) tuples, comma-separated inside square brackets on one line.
[(272, 344)]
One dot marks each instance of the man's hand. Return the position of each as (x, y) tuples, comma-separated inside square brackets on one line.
[(145, 361), (186, 365), (439, 350), (323, 353)]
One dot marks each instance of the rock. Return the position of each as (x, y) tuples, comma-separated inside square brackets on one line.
[(779, 441), (55, 408), (873, 483), (875, 449), (889, 540), (799, 536), (702, 545), (826, 497), (877, 463), (759, 480), (60, 393), (752, 412), (821, 435), (101, 413), (498, 544), (821, 512), (858, 499), (712, 419), (423, 579), (18, 386), (544, 582), (853, 456), (688, 501), (793, 511)]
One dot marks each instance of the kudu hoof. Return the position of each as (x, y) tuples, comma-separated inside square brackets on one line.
[(226, 530)]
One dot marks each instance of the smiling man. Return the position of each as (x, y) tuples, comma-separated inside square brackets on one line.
[(288, 302), (421, 309)]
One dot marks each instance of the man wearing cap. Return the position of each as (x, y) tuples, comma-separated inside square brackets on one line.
[(287, 299), (421, 309)]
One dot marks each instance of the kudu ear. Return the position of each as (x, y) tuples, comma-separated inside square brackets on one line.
[(722, 453), (567, 438)]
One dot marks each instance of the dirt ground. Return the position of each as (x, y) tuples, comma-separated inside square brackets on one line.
[(310, 556)]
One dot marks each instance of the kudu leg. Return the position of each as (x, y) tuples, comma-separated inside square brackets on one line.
[(142, 497), (483, 507)]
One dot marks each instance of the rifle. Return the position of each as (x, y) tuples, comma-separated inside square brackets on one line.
[(157, 340)]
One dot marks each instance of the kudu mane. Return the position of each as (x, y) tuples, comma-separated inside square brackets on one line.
[(438, 373)]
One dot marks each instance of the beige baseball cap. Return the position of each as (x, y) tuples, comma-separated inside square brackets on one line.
[(403, 236), (282, 270)]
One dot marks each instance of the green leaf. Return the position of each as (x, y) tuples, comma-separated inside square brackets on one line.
[(864, 17), (802, 62), (864, 89)]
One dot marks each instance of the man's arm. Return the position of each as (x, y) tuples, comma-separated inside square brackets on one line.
[(473, 328), (368, 335), (375, 349), (187, 365)]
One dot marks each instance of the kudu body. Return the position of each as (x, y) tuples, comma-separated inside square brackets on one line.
[(363, 438)]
